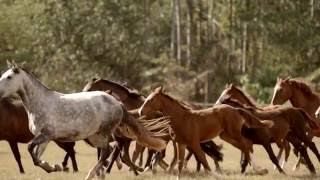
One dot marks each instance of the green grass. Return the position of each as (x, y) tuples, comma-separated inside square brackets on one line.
[(86, 157)]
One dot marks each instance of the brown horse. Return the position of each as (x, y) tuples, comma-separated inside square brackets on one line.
[(14, 128), (194, 126), (299, 94), (289, 123), (133, 100)]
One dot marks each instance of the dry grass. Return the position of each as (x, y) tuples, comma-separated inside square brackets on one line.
[(86, 157)]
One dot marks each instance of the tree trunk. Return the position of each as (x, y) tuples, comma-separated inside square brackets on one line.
[(173, 31), (244, 48), (178, 30), (189, 38), (311, 8)]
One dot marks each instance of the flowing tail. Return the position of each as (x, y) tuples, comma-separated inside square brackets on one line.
[(142, 135), (252, 121), (314, 126), (212, 150)]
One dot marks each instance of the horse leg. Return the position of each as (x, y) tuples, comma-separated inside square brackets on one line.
[(243, 162), (68, 147), (119, 163), (36, 149), (174, 160), (126, 157), (213, 151), (196, 148), (308, 142), (281, 149), (15, 150), (65, 162), (114, 155), (137, 151), (187, 159), (272, 156), (246, 147), (162, 163), (181, 152), (98, 153), (104, 155), (302, 150), (147, 166), (141, 156)]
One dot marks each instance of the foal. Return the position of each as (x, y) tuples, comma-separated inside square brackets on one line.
[(194, 126)]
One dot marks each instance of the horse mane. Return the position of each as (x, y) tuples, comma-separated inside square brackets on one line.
[(234, 102), (129, 91), (303, 86), (248, 98), (34, 77), (184, 105)]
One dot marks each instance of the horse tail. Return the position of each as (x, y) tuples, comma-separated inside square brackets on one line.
[(252, 121), (311, 122), (212, 150), (142, 135)]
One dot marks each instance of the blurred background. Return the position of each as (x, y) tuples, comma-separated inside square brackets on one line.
[(192, 47)]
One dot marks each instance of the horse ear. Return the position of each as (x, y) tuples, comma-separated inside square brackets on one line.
[(232, 85), (227, 86), (287, 79), (9, 64), (159, 89), (108, 91)]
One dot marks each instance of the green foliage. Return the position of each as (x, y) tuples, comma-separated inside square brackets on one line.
[(68, 42)]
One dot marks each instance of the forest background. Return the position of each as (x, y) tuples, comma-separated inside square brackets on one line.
[(192, 47)]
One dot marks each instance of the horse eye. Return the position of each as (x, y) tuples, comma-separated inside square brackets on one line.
[(9, 77)]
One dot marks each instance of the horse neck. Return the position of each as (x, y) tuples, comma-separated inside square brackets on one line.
[(133, 103), (173, 109), (33, 94), (245, 100), (309, 103)]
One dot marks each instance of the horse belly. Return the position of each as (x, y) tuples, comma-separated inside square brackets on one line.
[(78, 130)]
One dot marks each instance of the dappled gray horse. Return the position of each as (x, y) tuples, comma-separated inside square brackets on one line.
[(69, 117)]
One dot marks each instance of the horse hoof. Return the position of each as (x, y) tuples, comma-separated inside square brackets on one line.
[(218, 171), (65, 169), (262, 171), (57, 167), (154, 170), (119, 166), (140, 169)]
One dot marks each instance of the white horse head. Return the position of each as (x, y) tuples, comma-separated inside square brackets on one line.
[(11, 81)]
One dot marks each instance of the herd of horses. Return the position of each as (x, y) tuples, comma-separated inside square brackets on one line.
[(107, 111)]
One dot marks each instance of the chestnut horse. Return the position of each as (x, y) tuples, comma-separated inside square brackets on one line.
[(194, 126), (299, 94), (289, 123), (133, 100), (14, 128)]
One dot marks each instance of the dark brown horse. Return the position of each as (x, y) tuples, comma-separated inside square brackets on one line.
[(289, 123), (194, 126), (133, 100), (14, 128)]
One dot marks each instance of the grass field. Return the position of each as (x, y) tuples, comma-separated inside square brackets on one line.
[(86, 157)]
